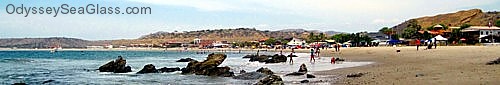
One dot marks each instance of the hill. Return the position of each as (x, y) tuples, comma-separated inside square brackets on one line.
[(471, 17), (231, 35), (46, 42)]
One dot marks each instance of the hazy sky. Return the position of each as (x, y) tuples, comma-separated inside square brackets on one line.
[(189, 15)]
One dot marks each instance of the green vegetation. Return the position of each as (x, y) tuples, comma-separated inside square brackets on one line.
[(497, 23), (316, 38), (341, 38), (354, 38)]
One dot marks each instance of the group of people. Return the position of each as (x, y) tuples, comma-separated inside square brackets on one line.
[(315, 53), (431, 42)]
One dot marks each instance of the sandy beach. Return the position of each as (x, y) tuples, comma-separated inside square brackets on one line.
[(447, 65)]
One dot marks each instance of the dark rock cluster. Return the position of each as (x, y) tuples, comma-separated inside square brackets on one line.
[(117, 66), (185, 60), (497, 61), (208, 67)]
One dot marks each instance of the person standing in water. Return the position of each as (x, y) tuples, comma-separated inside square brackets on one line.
[(312, 56)]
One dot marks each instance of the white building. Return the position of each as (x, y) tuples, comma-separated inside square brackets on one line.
[(197, 41), (296, 41), (483, 30)]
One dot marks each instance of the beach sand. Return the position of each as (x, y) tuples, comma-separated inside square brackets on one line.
[(447, 65)]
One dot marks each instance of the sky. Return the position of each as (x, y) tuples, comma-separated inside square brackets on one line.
[(190, 15)]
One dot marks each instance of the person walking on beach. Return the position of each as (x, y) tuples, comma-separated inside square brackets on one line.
[(291, 60), (312, 56), (435, 43), (417, 42), (317, 53)]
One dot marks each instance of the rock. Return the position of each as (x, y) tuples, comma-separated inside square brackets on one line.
[(48, 81), (419, 75), (249, 56), (150, 68), (208, 66), (310, 76), (19, 84), (243, 71), (250, 76), (497, 61), (276, 59), (304, 81), (295, 74), (266, 71), (117, 66), (270, 80), (165, 69), (355, 75), (303, 68), (260, 58), (185, 60), (220, 71)]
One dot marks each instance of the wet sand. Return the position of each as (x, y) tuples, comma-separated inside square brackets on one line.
[(447, 65)]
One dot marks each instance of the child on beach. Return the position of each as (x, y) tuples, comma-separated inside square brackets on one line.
[(333, 60), (312, 56)]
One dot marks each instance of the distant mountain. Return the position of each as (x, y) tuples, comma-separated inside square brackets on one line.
[(471, 17), (299, 30), (46, 42), (240, 34)]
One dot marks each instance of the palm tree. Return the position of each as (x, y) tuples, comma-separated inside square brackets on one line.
[(387, 31)]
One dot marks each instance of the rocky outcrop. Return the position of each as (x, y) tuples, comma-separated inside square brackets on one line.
[(266, 71), (497, 61), (295, 74), (310, 76), (260, 58), (267, 58), (117, 66), (165, 69), (250, 76), (270, 80), (302, 71), (185, 60), (208, 67), (249, 56), (355, 75), (150, 68), (304, 81), (303, 68), (277, 59)]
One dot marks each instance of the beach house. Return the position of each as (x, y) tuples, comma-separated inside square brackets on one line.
[(296, 42), (485, 34)]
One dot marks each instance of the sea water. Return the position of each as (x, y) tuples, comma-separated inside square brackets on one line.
[(79, 67)]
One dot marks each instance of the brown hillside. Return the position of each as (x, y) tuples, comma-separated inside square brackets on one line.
[(472, 17)]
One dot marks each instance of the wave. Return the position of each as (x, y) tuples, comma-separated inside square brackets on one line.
[(16, 60)]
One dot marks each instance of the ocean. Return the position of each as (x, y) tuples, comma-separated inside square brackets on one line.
[(79, 67)]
